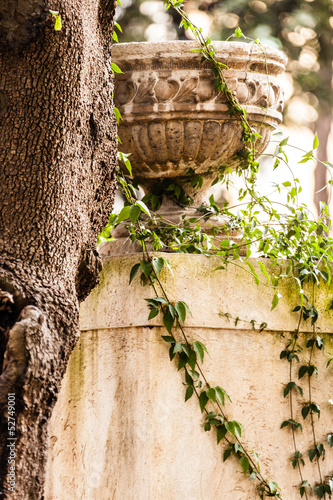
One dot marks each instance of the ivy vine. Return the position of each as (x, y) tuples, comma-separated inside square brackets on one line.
[(295, 243)]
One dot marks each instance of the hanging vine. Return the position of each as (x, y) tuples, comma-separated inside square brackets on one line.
[(294, 242)]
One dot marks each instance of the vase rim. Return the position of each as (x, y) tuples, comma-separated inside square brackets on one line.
[(182, 49)]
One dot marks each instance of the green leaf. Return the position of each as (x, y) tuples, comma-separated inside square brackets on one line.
[(134, 213), (188, 378), (227, 454), (199, 349), (306, 159), (168, 266), (312, 454), (238, 33), (158, 263), (300, 390), (189, 392), (192, 359), (330, 440), (178, 347), (124, 157), (115, 68), (160, 300), (215, 421), (315, 142), (168, 339), (295, 425), (255, 275), (245, 465), (292, 385), (146, 268), (272, 486), (311, 370), (117, 25), (183, 360), (220, 433), (171, 354), (315, 408), (168, 321), (305, 411), (134, 272), (181, 310), (186, 349), (211, 393), (117, 114), (319, 342), (320, 491), (263, 270), (275, 301), (143, 207), (172, 310), (57, 26), (153, 313), (195, 375), (203, 400), (207, 426), (187, 308), (221, 394), (238, 428), (113, 219), (230, 426), (124, 214), (302, 371), (284, 142), (320, 450)]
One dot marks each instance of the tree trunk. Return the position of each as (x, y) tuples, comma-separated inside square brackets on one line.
[(57, 184), (323, 128)]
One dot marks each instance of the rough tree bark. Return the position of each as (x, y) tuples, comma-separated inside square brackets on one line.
[(57, 183)]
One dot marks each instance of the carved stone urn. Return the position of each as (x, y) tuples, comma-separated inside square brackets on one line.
[(174, 118)]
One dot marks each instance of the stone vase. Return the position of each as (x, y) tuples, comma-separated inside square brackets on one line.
[(174, 119)]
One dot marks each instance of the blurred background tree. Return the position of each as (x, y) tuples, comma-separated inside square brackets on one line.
[(302, 28)]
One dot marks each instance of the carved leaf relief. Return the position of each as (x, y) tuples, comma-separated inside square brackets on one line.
[(186, 93), (166, 89), (232, 85), (205, 89), (265, 94), (145, 93), (124, 92), (198, 90)]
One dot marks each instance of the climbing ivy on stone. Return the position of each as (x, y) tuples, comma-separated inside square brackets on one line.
[(297, 245)]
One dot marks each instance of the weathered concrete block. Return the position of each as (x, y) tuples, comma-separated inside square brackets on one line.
[(121, 429)]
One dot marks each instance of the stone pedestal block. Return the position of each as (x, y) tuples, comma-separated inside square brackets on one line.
[(121, 429)]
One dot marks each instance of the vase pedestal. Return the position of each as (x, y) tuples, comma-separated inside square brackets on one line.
[(121, 429)]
